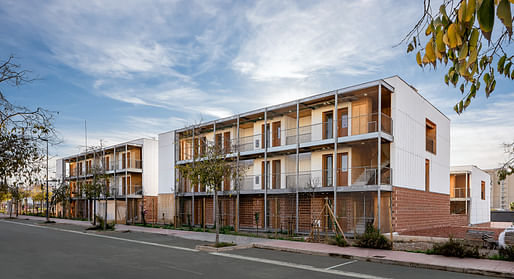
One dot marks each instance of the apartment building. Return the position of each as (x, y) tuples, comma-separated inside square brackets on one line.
[(502, 192), (470, 194), (131, 168), (377, 153)]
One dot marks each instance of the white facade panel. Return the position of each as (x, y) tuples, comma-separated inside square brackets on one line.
[(150, 167), (480, 209), (166, 163), (408, 151)]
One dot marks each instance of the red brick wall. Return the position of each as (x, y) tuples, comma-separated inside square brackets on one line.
[(417, 210)]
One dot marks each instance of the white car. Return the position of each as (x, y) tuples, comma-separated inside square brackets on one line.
[(501, 237)]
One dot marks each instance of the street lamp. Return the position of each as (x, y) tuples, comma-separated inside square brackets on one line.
[(47, 213)]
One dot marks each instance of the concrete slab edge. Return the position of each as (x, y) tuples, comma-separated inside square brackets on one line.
[(389, 261)]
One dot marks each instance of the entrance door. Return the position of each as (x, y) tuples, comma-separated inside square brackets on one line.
[(327, 170), (342, 124), (276, 133), (342, 169), (276, 174)]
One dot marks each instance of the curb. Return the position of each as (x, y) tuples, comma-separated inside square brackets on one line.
[(207, 248), (389, 261)]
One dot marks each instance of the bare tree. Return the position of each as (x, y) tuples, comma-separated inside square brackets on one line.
[(210, 171)]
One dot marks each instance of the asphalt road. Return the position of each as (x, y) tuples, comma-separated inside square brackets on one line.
[(29, 249)]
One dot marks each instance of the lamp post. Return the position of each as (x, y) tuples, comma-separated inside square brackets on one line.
[(47, 213)]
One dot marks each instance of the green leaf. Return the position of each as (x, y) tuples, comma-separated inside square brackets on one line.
[(442, 10), (487, 77), (501, 63), (462, 88), (446, 79), (507, 69), (486, 18), (456, 108), (439, 41), (473, 39), (504, 14)]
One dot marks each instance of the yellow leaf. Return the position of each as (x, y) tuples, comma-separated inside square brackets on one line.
[(429, 51), (445, 39), (470, 10), (462, 11), (418, 58), (463, 52), (452, 35), (439, 41)]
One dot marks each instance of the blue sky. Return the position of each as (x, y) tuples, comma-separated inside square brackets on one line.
[(137, 68)]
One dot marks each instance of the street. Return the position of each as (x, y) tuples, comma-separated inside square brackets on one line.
[(30, 249)]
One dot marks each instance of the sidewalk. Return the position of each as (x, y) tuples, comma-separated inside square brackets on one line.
[(465, 265)]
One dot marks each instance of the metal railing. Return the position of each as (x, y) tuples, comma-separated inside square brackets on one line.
[(130, 164), (356, 176), (356, 125), (459, 193)]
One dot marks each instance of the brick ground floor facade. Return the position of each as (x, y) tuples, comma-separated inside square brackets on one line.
[(122, 211), (402, 210)]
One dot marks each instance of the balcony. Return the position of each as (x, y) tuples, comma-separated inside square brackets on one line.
[(459, 193), (307, 180), (130, 164)]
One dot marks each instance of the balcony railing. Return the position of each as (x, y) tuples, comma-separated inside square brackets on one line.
[(130, 164), (459, 193), (356, 176), (356, 125)]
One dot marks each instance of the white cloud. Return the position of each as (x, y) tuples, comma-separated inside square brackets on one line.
[(288, 40)]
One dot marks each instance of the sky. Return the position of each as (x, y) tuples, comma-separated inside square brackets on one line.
[(135, 69)]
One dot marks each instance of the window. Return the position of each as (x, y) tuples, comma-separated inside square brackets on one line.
[(430, 136), (427, 175), (482, 183), (327, 171)]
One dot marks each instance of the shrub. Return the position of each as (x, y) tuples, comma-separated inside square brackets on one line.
[(340, 241), (372, 238), (507, 253), (455, 248)]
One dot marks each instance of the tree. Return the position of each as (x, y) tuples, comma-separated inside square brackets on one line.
[(508, 167), (97, 186), (61, 195), (22, 129), (210, 171), (460, 33)]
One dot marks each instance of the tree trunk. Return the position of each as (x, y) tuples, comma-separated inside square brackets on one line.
[(216, 217), (105, 213), (94, 212)]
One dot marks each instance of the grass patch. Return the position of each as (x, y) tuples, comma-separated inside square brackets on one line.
[(224, 244)]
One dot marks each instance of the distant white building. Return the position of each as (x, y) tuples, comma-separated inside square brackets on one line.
[(470, 193)]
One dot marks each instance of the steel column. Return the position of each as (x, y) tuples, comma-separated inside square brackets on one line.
[(379, 149)]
